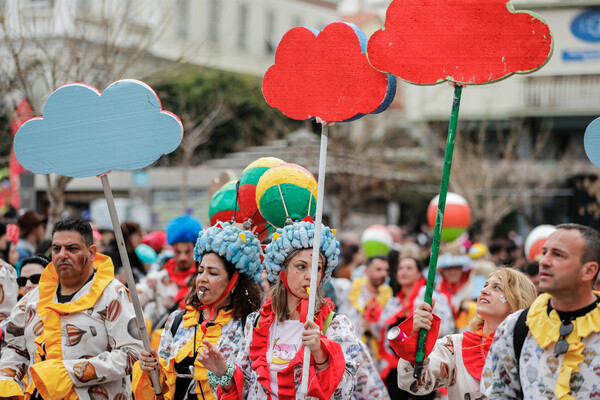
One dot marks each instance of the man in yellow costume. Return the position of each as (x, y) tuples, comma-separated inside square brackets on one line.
[(552, 350), (75, 335)]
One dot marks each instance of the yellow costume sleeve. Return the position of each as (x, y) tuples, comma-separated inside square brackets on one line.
[(10, 390), (51, 379), (141, 384)]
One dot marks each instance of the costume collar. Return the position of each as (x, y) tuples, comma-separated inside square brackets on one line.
[(474, 351), (180, 278), (409, 306), (49, 283), (450, 289), (545, 327), (211, 306), (213, 334), (50, 312), (384, 292)]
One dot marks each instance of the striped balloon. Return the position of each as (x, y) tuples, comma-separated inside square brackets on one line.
[(73, 335), (286, 187), (222, 204), (247, 189), (457, 216), (376, 240), (536, 240)]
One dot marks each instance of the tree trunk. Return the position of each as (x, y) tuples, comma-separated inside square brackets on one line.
[(56, 196), (185, 170)]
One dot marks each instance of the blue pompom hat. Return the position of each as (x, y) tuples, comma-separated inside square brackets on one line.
[(298, 236), (449, 260), (183, 229), (238, 247)]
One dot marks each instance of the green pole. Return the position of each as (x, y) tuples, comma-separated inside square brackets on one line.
[(439, 219)]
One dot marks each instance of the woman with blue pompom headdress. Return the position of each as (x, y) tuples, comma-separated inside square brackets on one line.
[(269, 364), (223, 294)]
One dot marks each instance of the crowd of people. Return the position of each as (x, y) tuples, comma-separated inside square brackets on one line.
[(228, 315)]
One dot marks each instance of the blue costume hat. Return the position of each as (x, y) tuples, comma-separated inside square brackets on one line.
[(298, 236), (449, 260), (238, 247), (183, 229)]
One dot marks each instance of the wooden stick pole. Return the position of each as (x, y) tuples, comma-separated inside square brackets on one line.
[(139, 315), (439, 220), (316, 249)]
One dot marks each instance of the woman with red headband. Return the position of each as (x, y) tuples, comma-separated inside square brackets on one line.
[(270, 363), (409, 291), (223, 294)]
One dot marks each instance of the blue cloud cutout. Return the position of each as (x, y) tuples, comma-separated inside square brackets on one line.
[(591, 142), (85, 133)]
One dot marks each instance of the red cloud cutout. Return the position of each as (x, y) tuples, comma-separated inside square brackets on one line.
[(465, 41), (325, 74)]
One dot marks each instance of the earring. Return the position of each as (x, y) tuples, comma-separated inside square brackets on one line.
[(246, 292)]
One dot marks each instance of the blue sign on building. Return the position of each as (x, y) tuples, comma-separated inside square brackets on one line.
[(581, 55), (586, 26)]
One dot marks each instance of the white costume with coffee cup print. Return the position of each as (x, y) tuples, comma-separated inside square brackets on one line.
[(90, 343)]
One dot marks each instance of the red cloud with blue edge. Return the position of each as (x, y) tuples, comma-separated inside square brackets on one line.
[(464, 41), (326, 74)]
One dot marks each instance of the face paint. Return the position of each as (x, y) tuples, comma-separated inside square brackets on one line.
[(503, 299)]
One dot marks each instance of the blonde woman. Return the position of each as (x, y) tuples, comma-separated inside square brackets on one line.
[(456, 361)]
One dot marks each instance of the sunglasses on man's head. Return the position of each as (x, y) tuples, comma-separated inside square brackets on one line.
[(562, 346), (22, 280)]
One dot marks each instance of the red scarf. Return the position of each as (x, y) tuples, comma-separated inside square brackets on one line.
[(408, 307), (302, 307), (450, 289), (181, 279), (406, 311), (285, 377), (474, 352)]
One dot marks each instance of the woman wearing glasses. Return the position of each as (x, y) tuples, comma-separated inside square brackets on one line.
[(456, 361), (31, 270)]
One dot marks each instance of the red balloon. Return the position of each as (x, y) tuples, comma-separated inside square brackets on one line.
[(247, 188), (156, 240)]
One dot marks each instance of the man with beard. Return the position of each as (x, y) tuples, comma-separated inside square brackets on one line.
[(162, 292), (75, 335)]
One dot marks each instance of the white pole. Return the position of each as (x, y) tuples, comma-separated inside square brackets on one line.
[(139, 315), (316, 250)]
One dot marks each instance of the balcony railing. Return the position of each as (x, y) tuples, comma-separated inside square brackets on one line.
[(563, 94)]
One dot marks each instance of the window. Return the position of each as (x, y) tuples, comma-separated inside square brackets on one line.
[(183, 12), (270, 44), (39, 3), (84, 6), (213, 21), (242, 37)]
